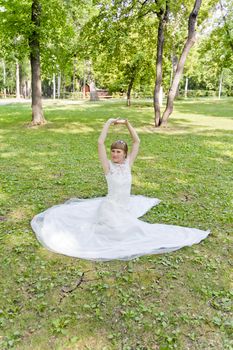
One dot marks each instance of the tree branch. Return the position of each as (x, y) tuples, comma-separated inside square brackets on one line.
[(67, 290)]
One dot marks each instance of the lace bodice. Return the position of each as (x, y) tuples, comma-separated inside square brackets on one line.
[(119, 181)]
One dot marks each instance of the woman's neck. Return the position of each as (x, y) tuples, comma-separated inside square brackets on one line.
[(122, 162)]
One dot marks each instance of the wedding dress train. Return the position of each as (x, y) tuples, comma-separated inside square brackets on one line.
[(108, 228)]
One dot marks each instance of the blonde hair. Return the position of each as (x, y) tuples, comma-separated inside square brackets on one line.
[(119, 144)]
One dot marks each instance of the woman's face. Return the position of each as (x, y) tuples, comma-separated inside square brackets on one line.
[(117, 155)]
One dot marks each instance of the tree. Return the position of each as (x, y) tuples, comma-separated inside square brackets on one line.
[(118, 17), (34, 44), (210, 64), (180, 66), (27, 30), (163, 19), (119, 46)]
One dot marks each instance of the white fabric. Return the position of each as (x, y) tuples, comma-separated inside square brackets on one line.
[(107, 228)]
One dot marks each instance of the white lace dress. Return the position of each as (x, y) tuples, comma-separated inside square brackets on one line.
[(108, 228)]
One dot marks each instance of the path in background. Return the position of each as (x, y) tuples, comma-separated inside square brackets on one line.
[(7, 101)]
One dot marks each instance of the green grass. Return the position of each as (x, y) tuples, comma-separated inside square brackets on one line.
[(180, 300)]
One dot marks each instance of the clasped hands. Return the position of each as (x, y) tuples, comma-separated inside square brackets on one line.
[(118, 121)]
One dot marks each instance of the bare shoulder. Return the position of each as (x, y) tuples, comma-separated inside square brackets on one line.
[(129, 160)]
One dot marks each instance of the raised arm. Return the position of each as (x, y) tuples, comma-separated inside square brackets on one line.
[(101, 146), (136, 141)]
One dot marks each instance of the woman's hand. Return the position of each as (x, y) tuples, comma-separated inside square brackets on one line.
[(121, 121), (113, 120)]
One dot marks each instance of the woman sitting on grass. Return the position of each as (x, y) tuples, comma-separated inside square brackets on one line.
[(108, 228)]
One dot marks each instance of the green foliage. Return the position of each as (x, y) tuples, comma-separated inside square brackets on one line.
[(212, 56), (119, 38), (55, 31), (119, 47)]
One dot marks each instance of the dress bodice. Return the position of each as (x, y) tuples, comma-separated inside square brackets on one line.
[(119, 181)]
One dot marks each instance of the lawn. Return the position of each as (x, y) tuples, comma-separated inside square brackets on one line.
[(181, 300)]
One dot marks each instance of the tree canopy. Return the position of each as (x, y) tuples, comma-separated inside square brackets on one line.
[(114, 43)]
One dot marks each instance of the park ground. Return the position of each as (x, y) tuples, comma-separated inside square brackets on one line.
[(181, 300)]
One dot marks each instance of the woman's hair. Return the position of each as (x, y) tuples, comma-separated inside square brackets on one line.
[(119, 144)]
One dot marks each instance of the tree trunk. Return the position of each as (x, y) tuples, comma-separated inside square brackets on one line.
[(161, 96), (17, 81), (186, 88), (172, 71), (29, 89), (59, 85), (163, 18), (54, 86), (4, 79), (93, 93), (174, 68), (220, 85), (37, 111), (64, 89), (84, 80), (128, 103), (75, 75), (189, 43)]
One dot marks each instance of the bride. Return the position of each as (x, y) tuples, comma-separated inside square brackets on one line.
[(107, 228)]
